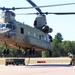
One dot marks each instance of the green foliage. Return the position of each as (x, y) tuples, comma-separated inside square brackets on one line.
[(1, 50), (62, 48), (45, 54), (56, 45), (68, 46), (13, 52), (58, 38)]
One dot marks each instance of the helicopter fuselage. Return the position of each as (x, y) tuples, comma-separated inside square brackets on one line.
[(25, 36), (17, 34)]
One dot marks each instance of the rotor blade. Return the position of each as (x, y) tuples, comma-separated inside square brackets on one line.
[(28, 13), (34, 5), (63, 13), (46, 6), (56, 13), (3, 8)]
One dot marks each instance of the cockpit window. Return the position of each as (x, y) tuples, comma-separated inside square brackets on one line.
[(9, 26), (2, 25)]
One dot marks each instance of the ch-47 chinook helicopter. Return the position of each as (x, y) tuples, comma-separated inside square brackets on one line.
[(23, 36)]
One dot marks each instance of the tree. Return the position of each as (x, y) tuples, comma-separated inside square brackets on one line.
[(73, 47), (58, 38), (45, 53), (56, 44), (1, 50), (68, 46)]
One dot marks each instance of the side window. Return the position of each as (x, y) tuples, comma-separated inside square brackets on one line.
[(22, 31), (34, 34), (44, 38), (28, 32), (41, 36)]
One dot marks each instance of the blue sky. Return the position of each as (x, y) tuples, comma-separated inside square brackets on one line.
[(65, 24)]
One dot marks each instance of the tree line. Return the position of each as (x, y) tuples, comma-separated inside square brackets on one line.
[(59, 48), (62, 48)]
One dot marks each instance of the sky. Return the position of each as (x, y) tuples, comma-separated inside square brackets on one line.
[(64, 24)]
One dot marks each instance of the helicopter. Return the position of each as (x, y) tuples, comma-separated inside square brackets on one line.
[(22, 36)]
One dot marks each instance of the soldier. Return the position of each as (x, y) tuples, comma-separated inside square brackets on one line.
[(72, 57)]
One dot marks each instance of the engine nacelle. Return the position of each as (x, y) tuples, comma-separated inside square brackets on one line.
[(46, 29)]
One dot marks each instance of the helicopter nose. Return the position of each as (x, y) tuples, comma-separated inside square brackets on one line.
[(4, 30)]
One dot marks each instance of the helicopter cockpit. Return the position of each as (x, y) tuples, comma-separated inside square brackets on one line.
[(3, 28), (9, 28)]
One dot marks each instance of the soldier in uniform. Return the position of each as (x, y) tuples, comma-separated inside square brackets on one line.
[(72, 57)]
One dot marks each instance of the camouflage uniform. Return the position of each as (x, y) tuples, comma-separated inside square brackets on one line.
[(72, 57)]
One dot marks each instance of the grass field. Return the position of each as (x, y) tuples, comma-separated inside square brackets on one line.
[(47, 60)]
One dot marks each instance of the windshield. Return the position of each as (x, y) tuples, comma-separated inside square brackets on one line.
[(2, 25)]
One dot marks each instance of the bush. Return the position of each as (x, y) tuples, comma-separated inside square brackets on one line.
[(45, 54)]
